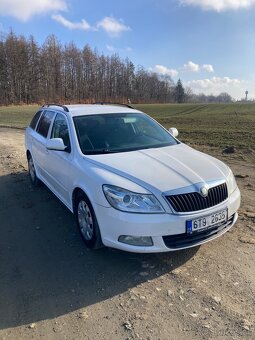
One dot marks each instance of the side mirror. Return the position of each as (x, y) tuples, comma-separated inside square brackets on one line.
[(174, 132), (56, 144)]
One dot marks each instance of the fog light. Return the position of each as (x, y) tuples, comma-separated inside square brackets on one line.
[(136, 240)]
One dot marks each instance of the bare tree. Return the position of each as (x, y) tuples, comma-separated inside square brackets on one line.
[(31, 73), (51, 60)]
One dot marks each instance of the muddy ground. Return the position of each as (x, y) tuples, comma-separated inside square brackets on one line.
[(52, 287)]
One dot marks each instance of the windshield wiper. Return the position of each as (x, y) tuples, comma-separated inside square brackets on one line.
[(99, 152)]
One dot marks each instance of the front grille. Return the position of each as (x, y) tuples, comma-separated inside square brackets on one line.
[(193, 201), (188, 240)]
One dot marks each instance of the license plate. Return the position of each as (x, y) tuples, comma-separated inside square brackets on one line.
[(205, 222)]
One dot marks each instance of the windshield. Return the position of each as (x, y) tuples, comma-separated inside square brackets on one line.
[(121, 132)]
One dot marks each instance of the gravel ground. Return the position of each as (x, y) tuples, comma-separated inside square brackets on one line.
[(52, 287)]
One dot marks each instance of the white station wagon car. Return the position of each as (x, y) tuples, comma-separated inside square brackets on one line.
[(129, 182)]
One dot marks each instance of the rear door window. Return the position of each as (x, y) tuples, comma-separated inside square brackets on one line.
[(35, 120), (44, 123)]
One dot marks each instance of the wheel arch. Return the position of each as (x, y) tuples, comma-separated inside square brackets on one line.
[(76, 192), (28, 153)]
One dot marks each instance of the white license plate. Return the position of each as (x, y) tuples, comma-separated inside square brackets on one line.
[(206, 222)]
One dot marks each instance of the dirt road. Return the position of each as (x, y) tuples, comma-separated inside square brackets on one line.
[(52, 287)]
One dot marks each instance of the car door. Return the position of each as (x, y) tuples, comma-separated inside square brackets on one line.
[(59, 163), (38, 148)]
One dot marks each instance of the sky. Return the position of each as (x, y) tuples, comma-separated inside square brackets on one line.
[(208, 44)]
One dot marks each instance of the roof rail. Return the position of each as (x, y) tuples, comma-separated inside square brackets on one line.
[(65, 108), (119, 104)]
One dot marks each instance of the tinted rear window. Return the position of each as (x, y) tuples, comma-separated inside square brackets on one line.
[(44, 123), (35, 119)]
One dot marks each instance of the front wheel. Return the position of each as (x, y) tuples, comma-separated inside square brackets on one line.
[(87, 223)]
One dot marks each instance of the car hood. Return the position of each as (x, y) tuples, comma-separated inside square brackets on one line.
[(164, 169)]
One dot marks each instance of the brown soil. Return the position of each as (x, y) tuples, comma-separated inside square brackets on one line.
[(52, 287)]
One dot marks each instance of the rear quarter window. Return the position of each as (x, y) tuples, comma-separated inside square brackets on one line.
[(35, 120), (44, 123)]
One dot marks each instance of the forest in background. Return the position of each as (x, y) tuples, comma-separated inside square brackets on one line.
[(53, 72)]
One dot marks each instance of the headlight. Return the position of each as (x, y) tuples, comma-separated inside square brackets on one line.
[(231, 183), (129, 201)]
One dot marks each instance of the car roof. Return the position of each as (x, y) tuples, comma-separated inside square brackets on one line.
[(89, 109)]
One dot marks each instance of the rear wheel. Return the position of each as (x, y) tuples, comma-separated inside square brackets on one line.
[(32, 172), (87, 222)]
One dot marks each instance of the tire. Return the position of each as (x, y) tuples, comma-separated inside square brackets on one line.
[(31, 170), (87, 222)]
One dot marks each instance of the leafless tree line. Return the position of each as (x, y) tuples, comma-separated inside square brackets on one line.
[(54, 73), (30, 73)]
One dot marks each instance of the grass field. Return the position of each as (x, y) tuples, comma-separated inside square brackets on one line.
[(214, 124)]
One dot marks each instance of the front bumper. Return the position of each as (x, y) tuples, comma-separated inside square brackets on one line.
[(164, 229)]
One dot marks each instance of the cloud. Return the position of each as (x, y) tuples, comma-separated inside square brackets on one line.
[(83, 25), (219, 5), (109, 24), (191, 67), (113, 26), (111, 48), (164, 71), (208, 68), (214, 85), (24, 10), (116, 49)]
